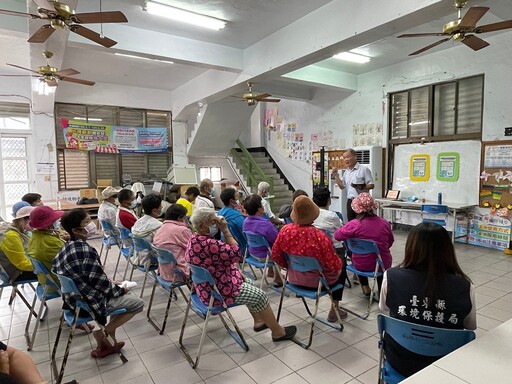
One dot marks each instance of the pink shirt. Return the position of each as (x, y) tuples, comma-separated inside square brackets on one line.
[(221, 260), (370, 228), (173, 236)]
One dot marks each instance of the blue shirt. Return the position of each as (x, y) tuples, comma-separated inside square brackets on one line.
[(235, 224)]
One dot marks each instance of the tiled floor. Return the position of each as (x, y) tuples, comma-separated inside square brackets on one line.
[(350, 356)]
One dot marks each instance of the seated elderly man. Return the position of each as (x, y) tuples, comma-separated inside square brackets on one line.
[(81, 263), (230, 198), (263, 191), (301, 238), (221, 260)]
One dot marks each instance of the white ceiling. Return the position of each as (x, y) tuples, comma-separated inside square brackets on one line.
[(196, 51)]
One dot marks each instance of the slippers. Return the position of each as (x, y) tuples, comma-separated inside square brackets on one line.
[(289, 333), (100, 353), (277, 285), (87, 328), (260, 328)]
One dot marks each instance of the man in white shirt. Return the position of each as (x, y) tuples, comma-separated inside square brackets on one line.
[(263, 191), (203, 200), (357, 178), (108, 208)]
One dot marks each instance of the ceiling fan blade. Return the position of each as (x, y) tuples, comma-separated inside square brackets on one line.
[(475, 43), (17, 75), (51, 82), (101, 17), (472, 16), (25, 69), (91, 35), (429, 47), (270, 100), (262, 96), (494, 27), (67, 72), (45, 4), (14, 13), (78, 81), (423, 34), (42, 34)]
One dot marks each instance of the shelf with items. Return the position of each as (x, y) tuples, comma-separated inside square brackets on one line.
[(332, 160)]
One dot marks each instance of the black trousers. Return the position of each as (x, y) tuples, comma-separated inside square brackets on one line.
[(351, 215)]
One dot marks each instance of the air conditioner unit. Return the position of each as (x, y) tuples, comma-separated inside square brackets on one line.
[(372, 158)]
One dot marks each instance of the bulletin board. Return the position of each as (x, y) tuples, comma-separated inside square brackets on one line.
[(496, 174), (464, 190)]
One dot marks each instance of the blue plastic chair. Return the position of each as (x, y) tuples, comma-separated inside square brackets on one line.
[(5, 282), (309, 264), (201, 275), (420, 339), (127, 247), (48, 291), (110, 238), (165, 257), (433, 213), (149, 265), (365, 248), (73, 318), (256, 240)]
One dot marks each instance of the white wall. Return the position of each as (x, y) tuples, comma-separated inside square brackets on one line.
[(369, 103)]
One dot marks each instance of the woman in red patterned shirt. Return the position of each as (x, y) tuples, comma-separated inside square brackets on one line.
[(302, 239)]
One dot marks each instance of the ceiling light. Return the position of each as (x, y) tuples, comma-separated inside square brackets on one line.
[(352, 57), (178, 14), (42, 88), (144, 58), (87, 119)]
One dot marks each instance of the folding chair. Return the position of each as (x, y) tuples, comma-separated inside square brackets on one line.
[(309, 264), (6, 282), (127, 249), (110, 238), (420, 339), (434, 213), (165, 257), (365, 248), (201, 275), (256, 240), (48, 291), (73, 318), (141, 245)]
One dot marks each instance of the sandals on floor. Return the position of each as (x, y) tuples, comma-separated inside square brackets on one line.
[(289, 333), (100, 353), (260, 328)]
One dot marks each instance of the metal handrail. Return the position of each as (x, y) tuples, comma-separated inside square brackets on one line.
[(251, 168), (246, 191)]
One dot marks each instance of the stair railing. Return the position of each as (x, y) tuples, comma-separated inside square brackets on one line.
[(250, 167)]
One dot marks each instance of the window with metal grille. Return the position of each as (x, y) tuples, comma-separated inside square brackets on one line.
[(212, 173), (444, 111), (73, 169), (140, 166)]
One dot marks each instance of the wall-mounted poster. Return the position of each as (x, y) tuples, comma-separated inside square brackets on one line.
[(419, 169), (448, 166), (110, 139)]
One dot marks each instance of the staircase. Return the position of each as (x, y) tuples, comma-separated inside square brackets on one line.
[(281, 190)]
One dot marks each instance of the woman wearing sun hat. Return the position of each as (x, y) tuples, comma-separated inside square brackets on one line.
[(45, 242), (14, 244), (301, 238), (367, 225)]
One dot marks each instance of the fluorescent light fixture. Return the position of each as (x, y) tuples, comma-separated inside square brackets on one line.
[(87, 119), (144, 58), (182, 15), (352, 57)]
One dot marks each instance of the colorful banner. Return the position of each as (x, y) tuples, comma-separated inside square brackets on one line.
[(111, 139), (489, 231)]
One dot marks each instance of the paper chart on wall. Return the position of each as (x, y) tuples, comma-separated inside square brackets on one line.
[(367, 134)]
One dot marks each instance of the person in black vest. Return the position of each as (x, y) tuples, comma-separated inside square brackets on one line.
[(427, 288)]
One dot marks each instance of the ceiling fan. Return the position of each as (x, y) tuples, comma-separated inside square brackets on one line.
[(463, 29), (61, 16), (252, 98), (51, 75)]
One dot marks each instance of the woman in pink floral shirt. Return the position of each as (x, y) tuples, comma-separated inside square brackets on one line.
[(221, 260)]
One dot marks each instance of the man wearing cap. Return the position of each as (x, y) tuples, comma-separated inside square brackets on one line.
[(45, 242), (14, 243), (108, 209), (263, 191), (301, 238)]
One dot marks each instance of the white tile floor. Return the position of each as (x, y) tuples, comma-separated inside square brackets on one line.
[(350, 356)]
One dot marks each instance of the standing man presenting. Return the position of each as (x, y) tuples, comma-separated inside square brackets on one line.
[(357, 178)]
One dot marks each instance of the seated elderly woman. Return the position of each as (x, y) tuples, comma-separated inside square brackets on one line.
[(367, 225), (301, 238), (221, 260)]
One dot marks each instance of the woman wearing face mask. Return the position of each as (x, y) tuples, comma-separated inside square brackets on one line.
[(221, 259), (14, 244), (126, 217)]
